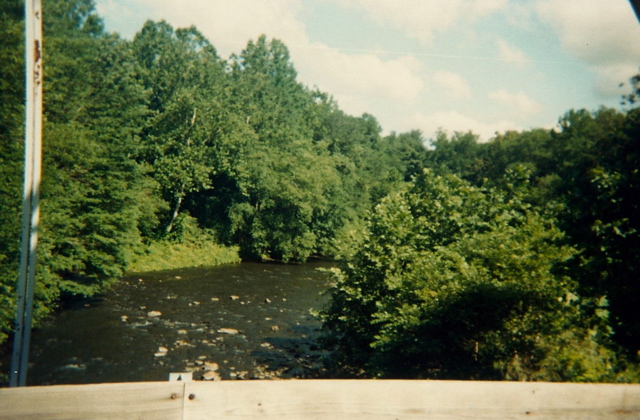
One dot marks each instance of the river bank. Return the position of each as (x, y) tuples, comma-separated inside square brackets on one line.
[(168, 255)]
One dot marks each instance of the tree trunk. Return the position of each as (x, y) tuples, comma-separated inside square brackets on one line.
[(176, 210)]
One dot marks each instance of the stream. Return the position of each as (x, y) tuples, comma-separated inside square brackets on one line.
[(242, 321)]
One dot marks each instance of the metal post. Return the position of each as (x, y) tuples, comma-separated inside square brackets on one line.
[(31, 192)]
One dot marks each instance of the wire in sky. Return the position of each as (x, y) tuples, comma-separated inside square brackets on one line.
[(465, 57)]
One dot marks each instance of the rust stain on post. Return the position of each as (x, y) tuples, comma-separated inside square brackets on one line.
[(37, 51), (37, 66)]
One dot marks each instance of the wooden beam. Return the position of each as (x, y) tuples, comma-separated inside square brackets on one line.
[(373, 400), (142, 400), (322, 399)]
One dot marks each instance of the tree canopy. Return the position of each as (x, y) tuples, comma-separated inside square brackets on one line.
[(455, 281)]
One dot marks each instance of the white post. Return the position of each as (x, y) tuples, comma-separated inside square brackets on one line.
[(31, 192)]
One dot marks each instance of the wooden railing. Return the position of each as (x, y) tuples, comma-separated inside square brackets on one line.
[(322, 399)]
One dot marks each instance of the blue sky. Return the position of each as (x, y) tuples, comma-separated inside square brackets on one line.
[(481, 65)]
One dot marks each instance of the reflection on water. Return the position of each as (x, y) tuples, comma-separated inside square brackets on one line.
[(252, 320)]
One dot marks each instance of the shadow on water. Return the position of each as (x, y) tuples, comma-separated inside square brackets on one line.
[(246, 321)]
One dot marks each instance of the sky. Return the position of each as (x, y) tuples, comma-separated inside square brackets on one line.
[(482, 65)]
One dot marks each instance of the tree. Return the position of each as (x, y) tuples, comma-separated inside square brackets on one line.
[(460, 154), (597, 164), (457, 282), (94, 192), (11, 154), (406, 152), (181, 71), (281, 181)]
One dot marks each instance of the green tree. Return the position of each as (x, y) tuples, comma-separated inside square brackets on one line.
[(457, 282), (406, 153), (11, 154), (598, 162), (589, 168), (181, 71), (460, 154), (281, 181)]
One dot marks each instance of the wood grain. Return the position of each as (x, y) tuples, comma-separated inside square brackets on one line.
[(322, 399)]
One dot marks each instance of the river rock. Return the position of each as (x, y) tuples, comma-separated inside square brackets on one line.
[(124, 318), (234, 297), (182, 343), (162, 351), (211, 366), (76, 366), (215, 299), (210, 375), (267, 300), (153, 314), (182, 332), (241, 375), (230, 331)]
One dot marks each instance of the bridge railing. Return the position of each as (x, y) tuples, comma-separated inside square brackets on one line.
[(322, 399)]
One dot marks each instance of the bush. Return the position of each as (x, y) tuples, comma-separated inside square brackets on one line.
[(457, 282)]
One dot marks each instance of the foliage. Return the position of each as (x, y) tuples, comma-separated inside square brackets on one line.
[(453, 281), (588, 170), (11, 154), (93, 191), (187, 246), (600, 185), (157, 150), (179, 70)]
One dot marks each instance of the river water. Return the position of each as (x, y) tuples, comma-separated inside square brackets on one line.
[(245, 321)]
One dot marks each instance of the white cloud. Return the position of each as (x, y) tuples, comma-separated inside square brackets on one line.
[(595, 31), (451, 121), (511, 53), (603, 34), (485, 7), (420, 19), (229, 28), (454, 84), (519, 103), (610, 78), (356, 79), (521, 15), (111, 7)]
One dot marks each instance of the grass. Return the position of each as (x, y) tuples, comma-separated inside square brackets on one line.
[(167, 255)]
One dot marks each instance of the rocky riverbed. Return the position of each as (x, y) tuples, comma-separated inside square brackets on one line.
[(246, 321)]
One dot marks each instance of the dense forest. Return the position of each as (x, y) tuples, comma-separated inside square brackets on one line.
[(517, 258)]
